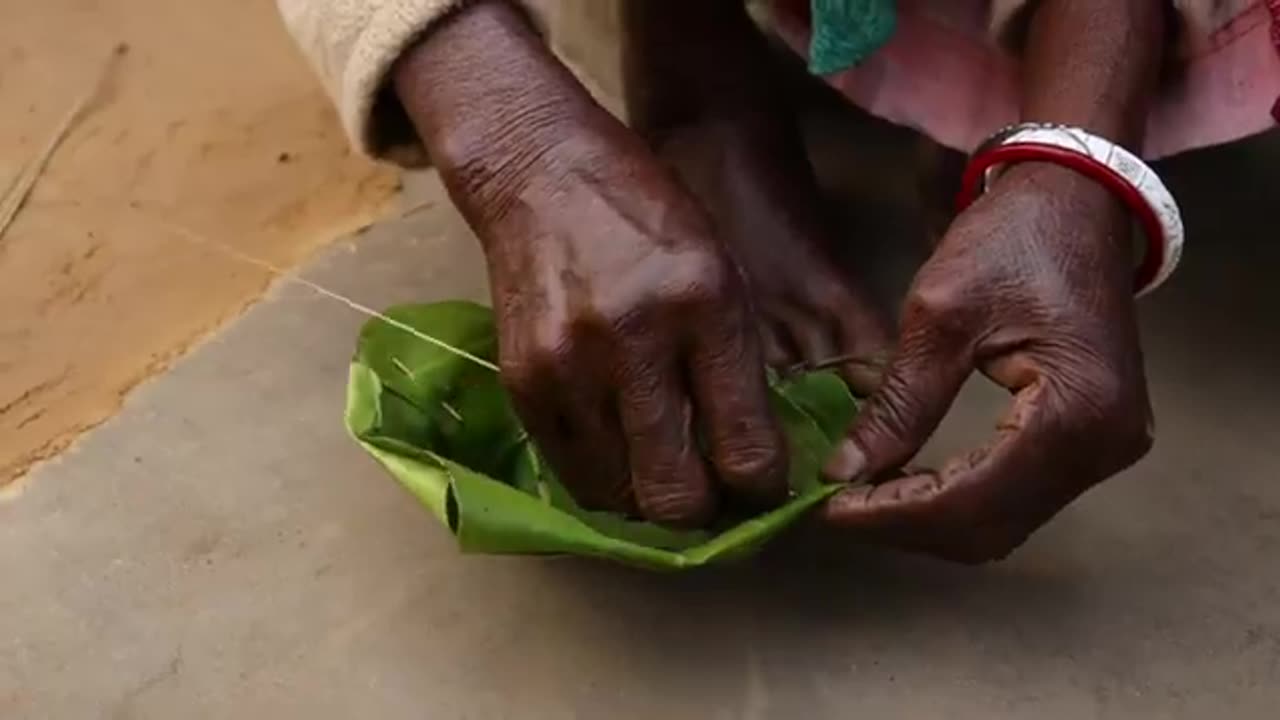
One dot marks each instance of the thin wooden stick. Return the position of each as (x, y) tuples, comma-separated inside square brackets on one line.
[(287, 276)]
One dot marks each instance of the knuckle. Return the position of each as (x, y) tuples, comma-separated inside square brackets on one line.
[(601, 323), (550, 352), (759, 463), (517, 375), (615, 314), (651, 411), (538, 365), (684, 284), (700, 283), (703, 281), (677, 506), (935, 302)]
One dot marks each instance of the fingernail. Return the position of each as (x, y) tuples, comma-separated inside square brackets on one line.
[(847, 463)]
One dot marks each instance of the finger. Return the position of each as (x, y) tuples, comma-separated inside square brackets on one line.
[(668, 475), (918, 389), (980, 506), (594, 468), (1059, 409), (912, 513), (861, 333), (579, 433), (777, 351), (814, 339), (732, 397), (984, 504)]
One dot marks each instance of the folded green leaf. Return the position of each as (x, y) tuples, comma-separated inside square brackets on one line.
[(442, 425)]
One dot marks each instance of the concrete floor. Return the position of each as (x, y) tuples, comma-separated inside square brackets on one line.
[(221, 550)]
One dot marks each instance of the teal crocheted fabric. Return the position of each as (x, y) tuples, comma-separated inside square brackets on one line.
[(846, 31)]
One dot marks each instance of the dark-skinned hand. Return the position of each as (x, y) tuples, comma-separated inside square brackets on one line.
[(624, 331), (754, 178), (1032, 287), (723, 115)]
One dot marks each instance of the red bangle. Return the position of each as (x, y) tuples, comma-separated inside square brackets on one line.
[(974, 183)]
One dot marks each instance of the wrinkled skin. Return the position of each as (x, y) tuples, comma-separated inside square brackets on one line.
[(1033, 287), (720, 115), (640, 281), (628, 348), (760, 190), (625, 332)]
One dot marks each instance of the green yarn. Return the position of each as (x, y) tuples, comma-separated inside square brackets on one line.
[(845, 32)]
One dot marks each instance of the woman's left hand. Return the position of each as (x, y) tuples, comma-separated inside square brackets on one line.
[(1033, 287)]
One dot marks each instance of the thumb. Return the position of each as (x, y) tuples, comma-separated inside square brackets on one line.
[(918, 389)]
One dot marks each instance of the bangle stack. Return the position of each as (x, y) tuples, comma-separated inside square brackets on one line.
[(1120, 171)]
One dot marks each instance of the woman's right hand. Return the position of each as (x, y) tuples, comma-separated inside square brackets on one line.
[(625, 335)]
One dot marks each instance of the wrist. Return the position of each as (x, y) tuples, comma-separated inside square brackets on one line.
[(490, 103), (1051, 180), (1091, 207), (1059, 199)]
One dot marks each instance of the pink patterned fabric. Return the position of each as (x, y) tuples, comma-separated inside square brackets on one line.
[(945, 73), (1275, 37)]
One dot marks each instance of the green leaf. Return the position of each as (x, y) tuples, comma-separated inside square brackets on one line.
[(808, 446), (825, 398), (422, 372), (434, 414)]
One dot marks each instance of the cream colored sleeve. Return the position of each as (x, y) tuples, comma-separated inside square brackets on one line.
[(352, 45)]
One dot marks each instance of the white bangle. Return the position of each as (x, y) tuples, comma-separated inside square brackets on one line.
[(1122, 171)]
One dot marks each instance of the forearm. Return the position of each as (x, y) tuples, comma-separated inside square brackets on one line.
[(705, 90), (687, 62), (1094, 64), (489, 101)]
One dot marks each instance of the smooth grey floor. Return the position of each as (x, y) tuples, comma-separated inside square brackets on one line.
[(221, 550)]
